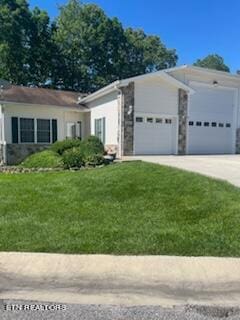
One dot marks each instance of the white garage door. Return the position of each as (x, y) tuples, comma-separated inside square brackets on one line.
[(210, 126), (154, 135)]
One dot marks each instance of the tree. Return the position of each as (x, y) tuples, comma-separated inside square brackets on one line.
[(40, 48), (97, 50), (147, 53), (14, 40), (212, 61)]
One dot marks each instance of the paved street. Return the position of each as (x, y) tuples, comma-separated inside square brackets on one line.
[(225, 167), (103, 312)]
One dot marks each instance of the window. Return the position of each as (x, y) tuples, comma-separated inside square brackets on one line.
[(27, 130), (198, 123), (100, 129), (43, 131), (139, 119), (150, 120), (206, 124), (214, 124), (159, 120), (221, 125), (190, 123), (228, 125), (168, 121)]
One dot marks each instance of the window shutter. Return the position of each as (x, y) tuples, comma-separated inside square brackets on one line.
[(14, 130), (95, 127), (103, 130), (54, 131)]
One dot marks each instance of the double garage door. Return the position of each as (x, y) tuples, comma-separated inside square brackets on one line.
[(210, 125)]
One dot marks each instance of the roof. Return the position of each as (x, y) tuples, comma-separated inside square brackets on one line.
[(206, 71), (40, 96), (163, 74)]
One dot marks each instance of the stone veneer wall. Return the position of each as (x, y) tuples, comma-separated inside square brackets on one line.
[(182, 123), (127, 125), (16, 153), (238, 141)]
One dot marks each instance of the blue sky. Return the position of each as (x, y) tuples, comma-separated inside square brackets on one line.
[(194, 28)]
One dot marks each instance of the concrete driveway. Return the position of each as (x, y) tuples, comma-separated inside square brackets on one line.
[(120, 280), (225, 167)]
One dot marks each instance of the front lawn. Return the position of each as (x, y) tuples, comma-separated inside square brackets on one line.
[(129, 208)]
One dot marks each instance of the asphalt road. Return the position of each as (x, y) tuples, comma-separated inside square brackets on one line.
[(103, 312)]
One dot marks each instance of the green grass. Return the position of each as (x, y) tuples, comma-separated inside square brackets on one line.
[(43, 159), (130, 208)]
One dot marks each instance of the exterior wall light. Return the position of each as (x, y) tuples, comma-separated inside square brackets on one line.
[(215, 83)]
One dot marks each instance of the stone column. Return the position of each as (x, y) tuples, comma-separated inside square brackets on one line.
[(182, 122), (127, 122), (238, 141)]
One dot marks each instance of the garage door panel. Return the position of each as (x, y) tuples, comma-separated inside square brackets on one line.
[(211, 121), (154, 138)]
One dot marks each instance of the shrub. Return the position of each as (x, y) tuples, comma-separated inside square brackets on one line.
[(61, 146), (93, 145), (93, 159), (43, 159), (73, 158)]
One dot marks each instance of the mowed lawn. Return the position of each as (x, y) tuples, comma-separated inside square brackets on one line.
[(130, 208)]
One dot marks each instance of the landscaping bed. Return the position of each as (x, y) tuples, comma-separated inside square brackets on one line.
[(129, 208)]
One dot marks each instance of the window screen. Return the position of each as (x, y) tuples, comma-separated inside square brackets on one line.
[(43, 131), (100, 129), (27, 130)]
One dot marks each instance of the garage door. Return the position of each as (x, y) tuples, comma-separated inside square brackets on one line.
[(210, 125), (154, 135)]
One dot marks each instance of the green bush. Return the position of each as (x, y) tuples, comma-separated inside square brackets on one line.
[(43, 159), (61, 146), (93, 145), (73, 158), (93, 159)]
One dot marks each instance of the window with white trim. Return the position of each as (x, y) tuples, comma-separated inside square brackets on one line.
[(32, 130), (139, 119), (159, 120), (27, 130), (149, 120), (43, 131), (100, 129)]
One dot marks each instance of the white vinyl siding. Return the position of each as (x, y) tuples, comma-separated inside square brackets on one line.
[(62, 115), (106, 107)]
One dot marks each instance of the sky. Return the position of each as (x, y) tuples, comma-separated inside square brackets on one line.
[(195, 28)]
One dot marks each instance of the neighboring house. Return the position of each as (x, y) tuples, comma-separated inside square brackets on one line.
[(182, 110)]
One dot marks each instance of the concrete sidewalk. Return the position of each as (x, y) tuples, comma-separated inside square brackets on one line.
[(126, 280)]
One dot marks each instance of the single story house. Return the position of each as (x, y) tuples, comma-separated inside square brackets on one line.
[(182, 110)]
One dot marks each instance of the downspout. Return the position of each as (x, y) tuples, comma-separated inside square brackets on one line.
[(120, 121), (3, 159)]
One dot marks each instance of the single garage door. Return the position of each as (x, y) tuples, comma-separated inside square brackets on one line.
[(154, 135), (210, 125)]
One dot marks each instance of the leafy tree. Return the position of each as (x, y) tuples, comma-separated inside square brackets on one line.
[(40, 47), (147, 53), (14, 40), (97, 50), (212, 61)]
